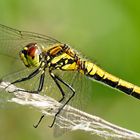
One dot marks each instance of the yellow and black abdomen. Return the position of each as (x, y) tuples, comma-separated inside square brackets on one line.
[(93, 71)]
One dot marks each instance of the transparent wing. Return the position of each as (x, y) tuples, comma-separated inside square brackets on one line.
[(12, 40)]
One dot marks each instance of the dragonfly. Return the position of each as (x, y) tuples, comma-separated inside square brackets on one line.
[(42, 55)]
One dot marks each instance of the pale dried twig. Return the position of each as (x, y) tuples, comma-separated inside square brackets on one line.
[(75, 120)]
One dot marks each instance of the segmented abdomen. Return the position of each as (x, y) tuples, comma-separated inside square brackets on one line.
[(93, 71)]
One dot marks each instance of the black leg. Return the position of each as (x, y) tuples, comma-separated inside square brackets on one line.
[(60, 88), (36, 125), (67, 85), (33, 74), (41, 83), (30, 76)]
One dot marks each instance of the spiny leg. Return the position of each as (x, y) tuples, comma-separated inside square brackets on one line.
[(67, 85)]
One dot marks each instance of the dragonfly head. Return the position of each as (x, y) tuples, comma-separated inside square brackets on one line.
[(31, 55)]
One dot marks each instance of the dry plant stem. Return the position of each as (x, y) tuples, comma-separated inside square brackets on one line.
[(71, 118)]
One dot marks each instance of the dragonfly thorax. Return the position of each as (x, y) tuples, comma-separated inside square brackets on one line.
[(31, 55)]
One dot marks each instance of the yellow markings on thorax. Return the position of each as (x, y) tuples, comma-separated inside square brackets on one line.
[(58, 58), (65, 65), (55, 50), (52, 48), (72, 66)]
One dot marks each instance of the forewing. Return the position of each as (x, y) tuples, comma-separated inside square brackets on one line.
[(12, 40)]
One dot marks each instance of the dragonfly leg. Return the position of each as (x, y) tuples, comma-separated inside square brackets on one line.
[(41, 82), (67, 85), (39, 121), (60, 88), (34, 73), (30, 76), (40, 87)]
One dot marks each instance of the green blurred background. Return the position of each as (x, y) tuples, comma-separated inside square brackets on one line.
[(107, 32)]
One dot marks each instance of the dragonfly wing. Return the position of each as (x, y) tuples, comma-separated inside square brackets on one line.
[(12, 40)]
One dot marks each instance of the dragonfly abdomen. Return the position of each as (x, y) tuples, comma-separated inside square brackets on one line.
[(93, 71)]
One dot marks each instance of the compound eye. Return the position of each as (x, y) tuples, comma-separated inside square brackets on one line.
[(30, 55), (32, 52)]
